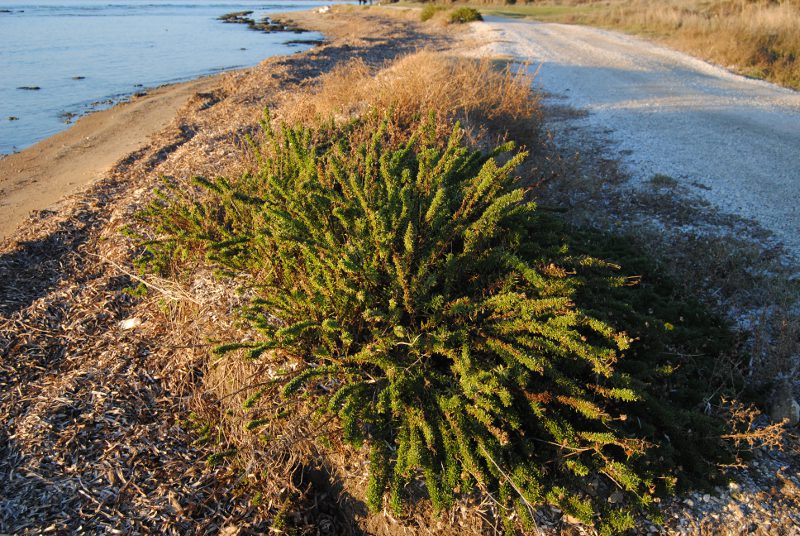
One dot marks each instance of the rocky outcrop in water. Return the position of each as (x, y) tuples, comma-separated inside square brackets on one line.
[(265, 25)]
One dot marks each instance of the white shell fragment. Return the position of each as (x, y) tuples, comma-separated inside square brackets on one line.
[(130, 323)]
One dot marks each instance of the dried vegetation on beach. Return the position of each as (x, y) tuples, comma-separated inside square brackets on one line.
[(118, 415)]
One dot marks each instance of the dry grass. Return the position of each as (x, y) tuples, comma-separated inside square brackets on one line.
[(758, 38), (488, 101)]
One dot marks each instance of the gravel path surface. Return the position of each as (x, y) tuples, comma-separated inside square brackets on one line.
[(734, 140)]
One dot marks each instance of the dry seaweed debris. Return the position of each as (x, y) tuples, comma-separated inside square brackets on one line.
[(90, 436)]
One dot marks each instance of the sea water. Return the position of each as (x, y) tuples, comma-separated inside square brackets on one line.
[(86, 55)]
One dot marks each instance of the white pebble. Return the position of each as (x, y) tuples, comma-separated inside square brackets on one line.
[(130, 323)]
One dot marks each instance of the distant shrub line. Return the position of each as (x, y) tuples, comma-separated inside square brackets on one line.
[(459, 15), (465, 14)]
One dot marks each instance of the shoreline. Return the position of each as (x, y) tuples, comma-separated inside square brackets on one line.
[(40, 176), (137, 46), (43, 175)]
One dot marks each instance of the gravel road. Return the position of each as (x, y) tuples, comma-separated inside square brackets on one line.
[(734, 140)]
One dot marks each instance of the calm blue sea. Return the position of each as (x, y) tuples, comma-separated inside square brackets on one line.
[(118, 48)]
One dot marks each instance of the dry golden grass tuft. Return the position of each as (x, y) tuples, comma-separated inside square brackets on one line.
[(490, 102)]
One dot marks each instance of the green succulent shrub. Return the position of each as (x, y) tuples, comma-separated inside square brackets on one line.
[(465, 14), (445, 320)]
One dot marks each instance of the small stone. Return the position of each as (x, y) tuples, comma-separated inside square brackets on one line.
[(784, 407), (707, 498), (130, 323), (689, 503), (733, 486)]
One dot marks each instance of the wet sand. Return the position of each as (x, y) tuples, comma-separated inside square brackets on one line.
[(43, 174)]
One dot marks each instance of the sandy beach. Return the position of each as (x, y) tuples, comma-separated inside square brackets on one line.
[(41, 175)]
